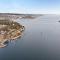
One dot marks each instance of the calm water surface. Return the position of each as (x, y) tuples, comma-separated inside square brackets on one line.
[(40, 40)]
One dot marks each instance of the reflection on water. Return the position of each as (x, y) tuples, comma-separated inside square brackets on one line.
[(9, 30)]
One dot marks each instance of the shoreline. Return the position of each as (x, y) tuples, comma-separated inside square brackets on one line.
[(9, 30)]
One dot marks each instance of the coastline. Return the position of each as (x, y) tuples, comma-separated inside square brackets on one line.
[(9, 31)]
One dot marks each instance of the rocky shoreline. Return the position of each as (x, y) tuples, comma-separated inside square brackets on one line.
[(9, 30)]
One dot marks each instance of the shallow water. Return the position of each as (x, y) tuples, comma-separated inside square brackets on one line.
[(40, 41)]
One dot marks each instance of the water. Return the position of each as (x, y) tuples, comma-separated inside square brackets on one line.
[(40, 41)]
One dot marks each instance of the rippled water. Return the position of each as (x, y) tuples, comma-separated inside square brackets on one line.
[(40, 41)]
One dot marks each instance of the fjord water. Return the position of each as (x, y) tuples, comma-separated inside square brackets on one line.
[(40, 40)]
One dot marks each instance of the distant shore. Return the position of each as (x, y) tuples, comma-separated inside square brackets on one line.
[(15, 16)]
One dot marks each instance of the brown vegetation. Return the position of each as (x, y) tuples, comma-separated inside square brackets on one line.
[(9, 30)]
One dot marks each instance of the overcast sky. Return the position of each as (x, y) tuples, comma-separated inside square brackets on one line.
[(30, 6)]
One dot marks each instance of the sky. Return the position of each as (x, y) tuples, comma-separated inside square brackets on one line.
[(30, 6)]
